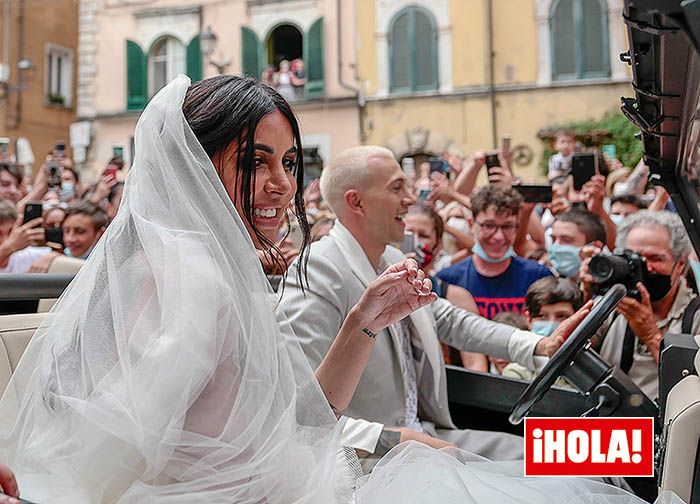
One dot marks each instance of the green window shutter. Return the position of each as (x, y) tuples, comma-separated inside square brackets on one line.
[(400, 52), (313, 58), (136, 75), (251, 53), (595, 39), (563, 30), (424, 41), (194, 60), (413, 51)]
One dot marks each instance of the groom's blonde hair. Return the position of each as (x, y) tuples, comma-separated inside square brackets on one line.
[(348, 170)]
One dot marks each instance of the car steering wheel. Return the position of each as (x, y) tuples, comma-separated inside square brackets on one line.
[(566, 353)]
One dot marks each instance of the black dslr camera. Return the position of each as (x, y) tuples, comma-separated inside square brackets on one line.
[(626, 268), (53, 174)]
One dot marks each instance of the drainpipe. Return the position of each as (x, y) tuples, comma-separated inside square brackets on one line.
[(7, 13), (492, 86), (356, 91), (20, 73)]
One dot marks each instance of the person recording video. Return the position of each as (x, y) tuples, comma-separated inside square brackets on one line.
[(653, 268)]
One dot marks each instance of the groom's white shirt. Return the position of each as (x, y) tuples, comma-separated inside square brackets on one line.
[(339, 271)]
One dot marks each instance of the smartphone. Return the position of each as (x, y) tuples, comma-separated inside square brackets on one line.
[(111, 170), (535, 193), (4, 145), (610, 151), (492, 160), (118, 152), (424, 194), (32, 210), (583, 167), (505, 143), (409, 242), (439, 165), (54, 236), (60, 149)]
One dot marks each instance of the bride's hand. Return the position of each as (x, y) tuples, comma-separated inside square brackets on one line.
[(8, 485), (396, 293)]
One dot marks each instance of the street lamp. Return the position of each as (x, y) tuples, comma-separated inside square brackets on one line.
[(207, 44)]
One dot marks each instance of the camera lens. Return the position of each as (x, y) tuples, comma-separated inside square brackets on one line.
[(609, 268)]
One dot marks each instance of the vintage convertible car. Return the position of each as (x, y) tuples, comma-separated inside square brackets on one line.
[(664, 54)]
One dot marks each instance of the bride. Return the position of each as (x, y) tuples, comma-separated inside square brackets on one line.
[(162, 375)]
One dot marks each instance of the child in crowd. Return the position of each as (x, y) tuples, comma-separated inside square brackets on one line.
[(548, 302), (565, 145)]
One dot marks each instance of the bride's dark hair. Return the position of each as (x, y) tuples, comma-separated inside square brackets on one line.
[(222, 109)]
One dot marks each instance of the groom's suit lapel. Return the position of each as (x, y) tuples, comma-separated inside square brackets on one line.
[(360, 267), (423, 334)]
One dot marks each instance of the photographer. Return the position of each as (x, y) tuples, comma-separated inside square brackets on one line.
[(632, 339)]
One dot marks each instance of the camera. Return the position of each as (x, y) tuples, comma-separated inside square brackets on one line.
[(53, 174), (626, 268)]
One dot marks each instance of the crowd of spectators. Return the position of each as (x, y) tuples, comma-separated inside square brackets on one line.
[(288, 78), (491, 252), (487, 250), (71, 215)]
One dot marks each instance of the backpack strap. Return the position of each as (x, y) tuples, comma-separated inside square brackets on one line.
[(689, 315)]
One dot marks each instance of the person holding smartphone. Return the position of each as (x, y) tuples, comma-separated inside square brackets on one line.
[(19, 240)]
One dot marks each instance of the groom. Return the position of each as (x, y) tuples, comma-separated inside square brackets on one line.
[(402, 394)]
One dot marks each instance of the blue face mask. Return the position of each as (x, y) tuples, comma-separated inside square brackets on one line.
[(617, 219), (479, 251), (565, 259), (67, 191), (544, 327)]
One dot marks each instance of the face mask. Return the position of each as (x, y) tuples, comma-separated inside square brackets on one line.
[(617, 219), (658, 285), (544, 327), (423, 255), (621, 188), (458, 224), (67, 191), (565, 259), (479, 251)]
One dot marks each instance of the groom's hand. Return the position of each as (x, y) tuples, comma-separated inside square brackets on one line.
[(548, 345)]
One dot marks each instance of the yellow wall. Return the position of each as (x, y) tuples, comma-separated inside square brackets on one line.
[(466, 120), (515, 41), (366, 46), (469, 50)]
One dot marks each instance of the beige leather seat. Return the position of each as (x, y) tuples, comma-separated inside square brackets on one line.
[(15, 333), (682, 432), (60, 265)]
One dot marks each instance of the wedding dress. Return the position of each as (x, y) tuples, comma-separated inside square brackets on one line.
[(161, 374)]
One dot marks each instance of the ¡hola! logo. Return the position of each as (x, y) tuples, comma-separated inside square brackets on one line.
[(589, 446)]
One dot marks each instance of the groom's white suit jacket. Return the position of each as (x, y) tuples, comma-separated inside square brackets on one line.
[(338, 273)]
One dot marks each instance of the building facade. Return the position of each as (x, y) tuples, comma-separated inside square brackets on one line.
[(38, 72), (459, 74), (128, 51)]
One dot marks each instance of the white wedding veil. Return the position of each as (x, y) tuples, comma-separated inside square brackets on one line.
[(161, 374)]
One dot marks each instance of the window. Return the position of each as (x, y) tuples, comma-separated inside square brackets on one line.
[(145, 76), (166, 60), (413, 56), (59, 75), (579, 31)]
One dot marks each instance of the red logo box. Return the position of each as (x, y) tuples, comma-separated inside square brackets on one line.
[(619, 446)]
